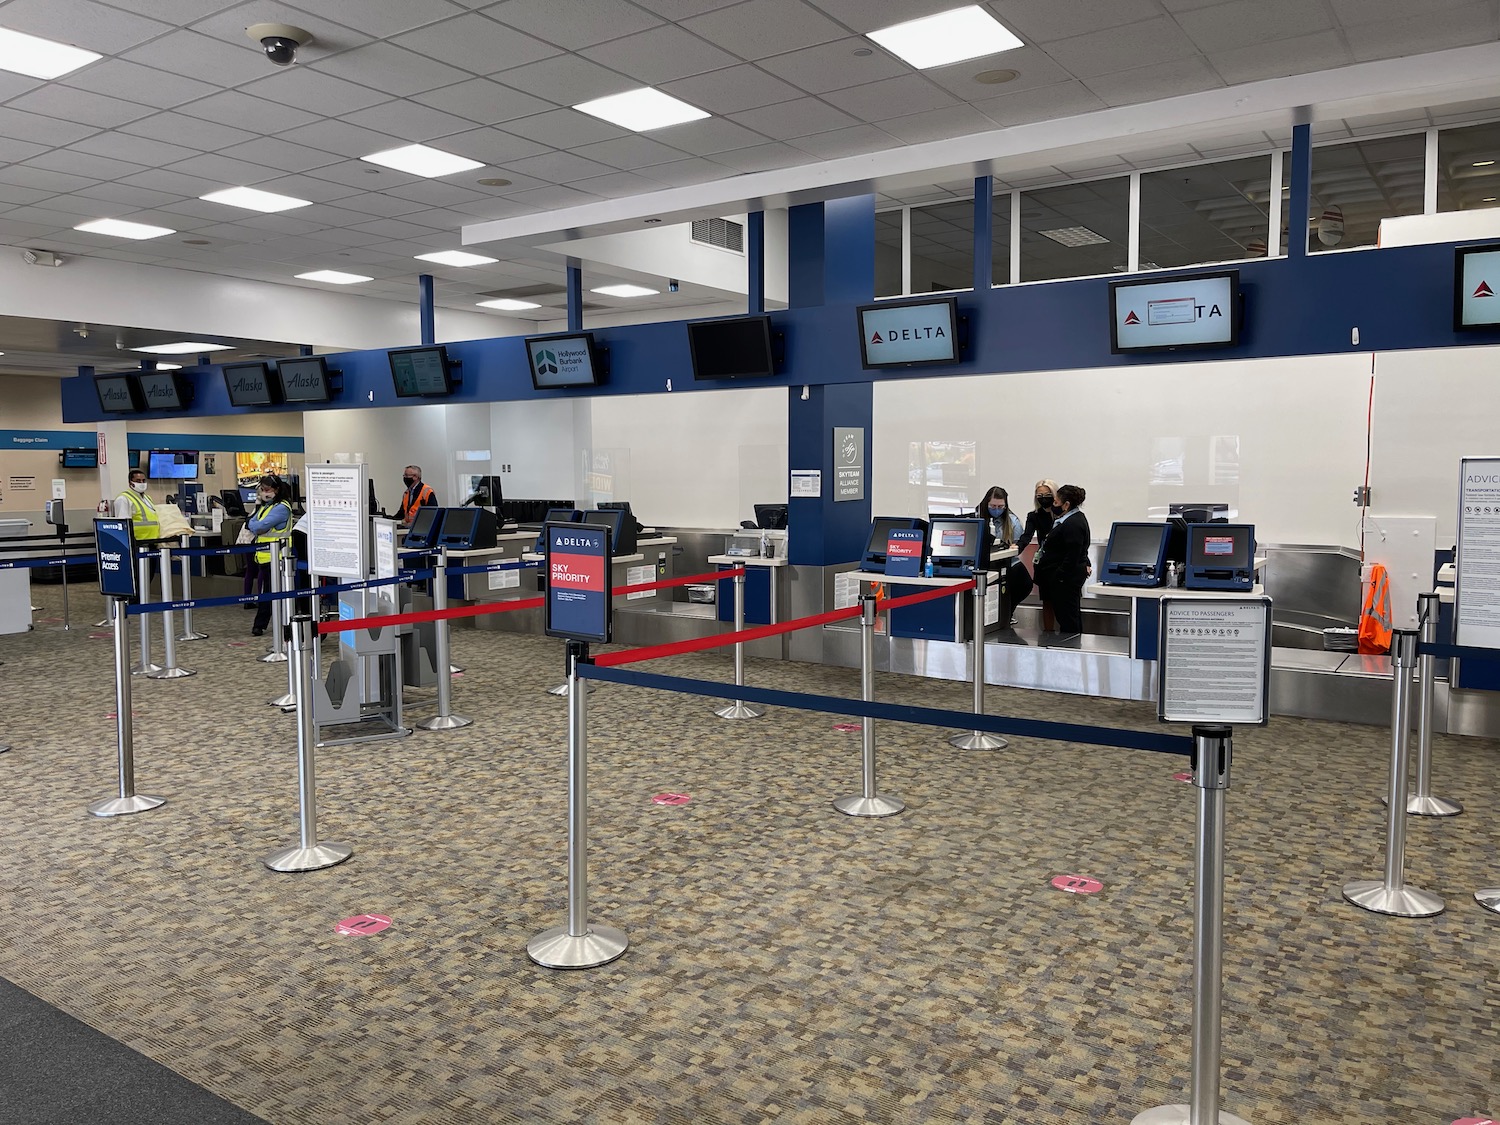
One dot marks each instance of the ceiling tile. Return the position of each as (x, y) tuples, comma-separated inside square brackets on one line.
[(848, 142), (280, 154), (1352, 13), (490, 209), (80, 106), (572, 24), (762, 158), (1044, 103), (173, 11), (660, 55), (159, 179), (231, 107), (362, 175), (21, 126), (493, 146), (410, 122), (551, 198), (341, 138), (396, 228), (95, 27), (42, 217), (13, 195), (910, 92), (1032, 65), (758, 28), (634, 151), (139, 150), (13, 151), (392, 69), (202, 57), (558, 168), (476, 44), (83, 164), (437, 193), (834, 66), (309, 187), (123, 195), (871, 15), (299, 87), (118, 78), (1323, 50), (347, 237), (14, 85), (566, 128), (1413, 34), (1227, 26), (732, 89), (1042, 21), (484, 100), (786, 120), (1149, 83), (327, 215), (704, 138), (376, 203), (82, 207), (938, 124), (175, 128), (566, 80), (223, 170), (682, 9), (617, 185), (382, 18)]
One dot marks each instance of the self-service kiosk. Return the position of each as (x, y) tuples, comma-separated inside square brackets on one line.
[(1221, 556)]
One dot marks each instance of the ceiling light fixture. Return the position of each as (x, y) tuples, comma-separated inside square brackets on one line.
[(996, 77), (1488, 199), (456, 258), (1483, 163), (641, 110), (508, 304), (334, 277), (184, 347), (1073, 236), (494, 181), (157, 366), (253, 199), (119, 228), (40, 58), (948, 37), (419, 160), (196, 242), (625, 291)]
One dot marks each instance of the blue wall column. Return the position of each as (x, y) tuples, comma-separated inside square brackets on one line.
[(575, 298), (984, 233), (804, 255), (425, 309), (821, 532), (755, 263), (1299, 203)]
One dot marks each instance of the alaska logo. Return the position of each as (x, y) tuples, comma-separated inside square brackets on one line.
[(546, 363), (1484, 290), (1131, 318)]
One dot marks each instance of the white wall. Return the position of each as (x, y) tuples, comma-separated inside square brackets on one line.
[(387, 439)]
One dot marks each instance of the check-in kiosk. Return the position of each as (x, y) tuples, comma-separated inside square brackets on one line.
[(956, 547), (877, 547), (1221, 556), (1137, 554), (466, 529), (555, 515), (425, 528), (621, 524)]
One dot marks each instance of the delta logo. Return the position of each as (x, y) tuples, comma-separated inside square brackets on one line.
[(546, 362), (1131, 318), (925, 332), (1484, 290)]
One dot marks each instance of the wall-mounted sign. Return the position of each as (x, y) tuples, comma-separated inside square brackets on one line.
[(848, 463), (578, 572), (807, 482), (909, 333)]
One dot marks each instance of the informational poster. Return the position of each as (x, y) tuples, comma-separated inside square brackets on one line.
[(639, 576), (504, 579), (385, 548), (848, 463), (1215, 660), (1476, 586), (807, 482), (115, 542), (903, 553), (59, 489), (336, 503), (578, 567)]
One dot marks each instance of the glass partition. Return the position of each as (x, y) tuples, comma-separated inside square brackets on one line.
[(1206, 213), (942, 247), (1075, 230), (1355, 185), (1467, 173)]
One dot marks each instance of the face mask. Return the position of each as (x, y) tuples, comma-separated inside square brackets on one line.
[(409, 481), (997, 512), (138, 485), (1044, 501), (267, 497)]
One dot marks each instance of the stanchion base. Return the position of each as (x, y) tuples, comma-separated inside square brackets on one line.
[(869, 806), (194, 636), (1403, 902), (4, 749), (1179, 1115), (273, 658), (1432, 806), (170, 674), (105, 624), (1489, 899), (444, 722), (739, 709), (145, 669), (978, 740), (562, 689), (455, 670), (557, 949), (283, 701), (314, 858), (121, 806)]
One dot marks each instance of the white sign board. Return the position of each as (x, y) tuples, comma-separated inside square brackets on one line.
[(848, 463), (807, 482), (336, 504), (1215, 660), (385, 548), (1476, 586)]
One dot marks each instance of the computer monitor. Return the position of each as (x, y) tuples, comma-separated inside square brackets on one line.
[(880, 529), (467, 529), (909, 333), (555, 515), (1221, 556), (230, 499), (426, 525), (771, 516), (165, 390), (118, 394), (304, 379), (251, 384), (563, 361), (623, 506), (956, 545), (1200, 512), (79, 458), (1136, 555), (173, 464), (737, 347), (421, 372), (621, 528), (484, 492)]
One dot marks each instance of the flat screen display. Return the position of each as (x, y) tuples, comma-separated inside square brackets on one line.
[(909, 333), (170, 464), (251, 384), (880, 532), (164, 390), (1226, 546), (734, 348), (459, 524), (304, 380), (1137, 544), (563, 361), (424, 527), (955, 539), (772, 516), (1191, 312), (421, 372), (612, 518), (1476, 284), (118, 394), (80, 458)]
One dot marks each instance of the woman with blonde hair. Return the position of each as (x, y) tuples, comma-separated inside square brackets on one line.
[(1039, 523)]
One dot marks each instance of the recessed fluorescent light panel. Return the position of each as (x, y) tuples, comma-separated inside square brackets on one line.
[(253, 199), (119, 228), (508, 304), (40, 58), (642, 110), (456, 258), (334, 277), (626, 291), (1073, 236), (948, 37), (184, 347), (419, 160), (166, 366)]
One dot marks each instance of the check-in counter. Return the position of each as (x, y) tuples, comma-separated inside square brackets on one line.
[(1145, 608), (499, 585), (15, 583), (651, 562), (944, 619), (765, 588)]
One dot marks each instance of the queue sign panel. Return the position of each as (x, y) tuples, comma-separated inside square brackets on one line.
[(114, 540), (578, 577)]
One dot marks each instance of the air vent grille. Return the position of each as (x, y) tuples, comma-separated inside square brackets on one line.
[(723, 233)]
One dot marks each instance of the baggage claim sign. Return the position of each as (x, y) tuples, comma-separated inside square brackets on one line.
[(578, 568)]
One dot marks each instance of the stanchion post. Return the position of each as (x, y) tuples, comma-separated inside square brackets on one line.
[(289, 582), (1212, 750), (188, 632), (143, 667), (978, 739), (739, 709), (308, 854), (442, 662), (278, 614), (1422, 802), (169, 637), (67, 613), (578, 945), (128, 800), (870, 802), (1391, 895)]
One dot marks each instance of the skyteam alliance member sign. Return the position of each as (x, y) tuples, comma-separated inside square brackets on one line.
[(578, 569)]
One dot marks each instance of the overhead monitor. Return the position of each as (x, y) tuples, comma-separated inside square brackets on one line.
[(1136, 554), (736, 347), (909, 333), (772, 516), (1202, 311), (251, 384), (172, 464), (304, 379), (1476, 287), (563, 361), (164, 390), (421, 372), (426, 526), (956, 544), (118, 394), (79, 458), (880, 531)]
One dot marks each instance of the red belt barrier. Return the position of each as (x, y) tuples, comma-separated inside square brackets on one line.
[(924, 596), (630, 656), (325, 627), (665, 583)]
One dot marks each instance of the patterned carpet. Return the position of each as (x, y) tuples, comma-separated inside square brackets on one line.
[(787, 964)]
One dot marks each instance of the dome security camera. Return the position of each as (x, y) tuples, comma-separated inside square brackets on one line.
[(279, 41)]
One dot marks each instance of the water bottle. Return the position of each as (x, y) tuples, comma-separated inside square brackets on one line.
[(765, 545), (927, 570)]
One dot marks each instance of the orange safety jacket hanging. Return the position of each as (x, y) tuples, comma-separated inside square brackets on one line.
[(1375, 614)]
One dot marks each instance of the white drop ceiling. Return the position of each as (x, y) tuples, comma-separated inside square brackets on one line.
[(182, 103)]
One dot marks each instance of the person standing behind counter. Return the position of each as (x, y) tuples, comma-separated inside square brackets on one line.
[(134, 505), (1038, 525), (271, 521), (418, 494), (1005, 526), (1062, 564)]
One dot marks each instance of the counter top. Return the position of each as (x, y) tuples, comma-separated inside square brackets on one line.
[(1099, 589), (869, 576), (745, 560)]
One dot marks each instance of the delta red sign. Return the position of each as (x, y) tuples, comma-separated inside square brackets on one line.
[(1131, 318), (1484, 290)]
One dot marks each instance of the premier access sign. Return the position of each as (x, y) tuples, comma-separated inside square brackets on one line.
[(1196, 312), (1476, 278), (909, 333), (578, 574)]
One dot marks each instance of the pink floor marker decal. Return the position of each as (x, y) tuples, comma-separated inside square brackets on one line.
[(101, 636), (116, 714), (1077, 884), (1185, 775), (670, 799), (1475, 1121), (847, 727), (361, 924)]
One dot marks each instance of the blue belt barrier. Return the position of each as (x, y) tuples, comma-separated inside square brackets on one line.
[(1452, 652), (284, 595), (900, 713), (207, 552), (28, 564), (492, 568)]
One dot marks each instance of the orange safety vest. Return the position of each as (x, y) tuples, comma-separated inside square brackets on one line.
[(424, 494), (1375, 615)]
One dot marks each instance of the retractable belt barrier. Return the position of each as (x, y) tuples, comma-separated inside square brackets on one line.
[(209, 552), (32, 564)]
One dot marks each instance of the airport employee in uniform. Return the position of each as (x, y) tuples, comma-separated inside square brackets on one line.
[(418, 494), (134, 505), (272, 522)]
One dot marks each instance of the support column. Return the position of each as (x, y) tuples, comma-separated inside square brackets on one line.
[(575, 298), (1299, 204), (426, 310), (984, 233)]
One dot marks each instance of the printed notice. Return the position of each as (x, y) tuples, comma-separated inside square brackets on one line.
[(1215, 660), (505, 579), (1476, 596), (639, 576), (336, 503), (807, 482)]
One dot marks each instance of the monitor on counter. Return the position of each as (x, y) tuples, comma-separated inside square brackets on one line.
[(421, 372), (1221, 556), (165, 390), (468, 529), (771, 516), (880, 532), (909, 333), (736, 347), (957, 544), (231, 501), (118, 394), (251, 384), (1136, 554), (1202, 311), (426, 526), (304, 379), (621, 528), (172, 464), (563, 361), (1476, 287), (79, 458)]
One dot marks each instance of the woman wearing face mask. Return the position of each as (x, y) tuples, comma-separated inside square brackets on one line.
[(1062, 564), (1044, 511), (270, 522), (1005, 526)]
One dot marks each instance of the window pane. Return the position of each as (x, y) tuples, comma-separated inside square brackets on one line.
[(1208, 213), (1074, 230), (1000, 239), (942, 247), (1356, 185), (888, 254), (1468, 175)]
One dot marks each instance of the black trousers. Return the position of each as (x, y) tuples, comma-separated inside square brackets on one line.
[(1067, 607), (258, 581)]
